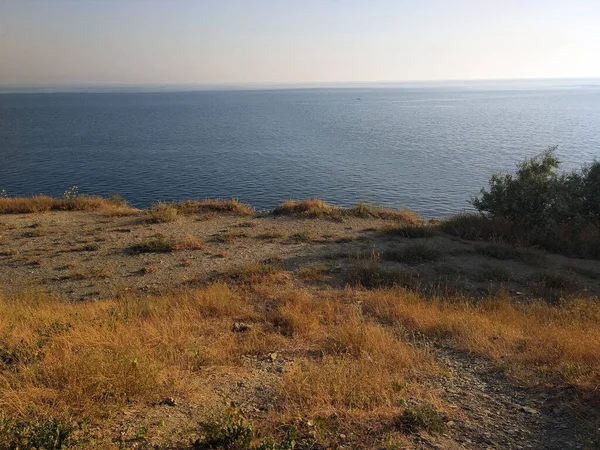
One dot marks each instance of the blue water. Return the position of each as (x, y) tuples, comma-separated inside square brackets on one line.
[(424, 147)]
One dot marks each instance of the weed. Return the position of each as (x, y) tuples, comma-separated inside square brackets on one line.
[(157, 244), (315, 207), (507, 252), (313, 273), (230, 236), (162, 213), (555, 280), (189, 243), (414, 254), (303, 236), (48, 434), (232, 206), (493, 273), (246, 224), (232, 431), (414, 231), (274, 234), (421, 417), (149, 269)]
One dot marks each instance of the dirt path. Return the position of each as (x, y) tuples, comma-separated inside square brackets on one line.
[(494, 413)]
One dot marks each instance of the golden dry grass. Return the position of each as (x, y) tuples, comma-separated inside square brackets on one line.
[(354, 348), (162, 213), (535, 342), (315, 207), (44, 203), (189, 243), (232, 206)]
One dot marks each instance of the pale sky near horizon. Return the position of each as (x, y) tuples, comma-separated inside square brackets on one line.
[(295, 41)]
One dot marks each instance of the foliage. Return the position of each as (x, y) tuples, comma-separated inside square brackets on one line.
[(540, 206), (232, 431), (421, 417), (47, 434)]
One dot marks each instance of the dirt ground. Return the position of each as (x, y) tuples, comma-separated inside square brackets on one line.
[(88, 255)]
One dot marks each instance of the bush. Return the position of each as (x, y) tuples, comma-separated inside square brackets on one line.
[(557, 211), (48, 434)]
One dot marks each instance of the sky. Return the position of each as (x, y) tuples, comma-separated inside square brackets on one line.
[(244, 42)]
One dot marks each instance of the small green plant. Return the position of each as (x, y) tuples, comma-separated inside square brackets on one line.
[(154, 245), (231, 430), (421, 417), (47, 434)]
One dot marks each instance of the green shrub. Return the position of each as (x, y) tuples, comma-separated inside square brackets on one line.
[(539, 206), (232, 431), (47, 434)]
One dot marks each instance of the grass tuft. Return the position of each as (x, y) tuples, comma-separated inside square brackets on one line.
[(157, 244), (315, 207), (232, 206), (44, 203), (162, 213), (188, 243)]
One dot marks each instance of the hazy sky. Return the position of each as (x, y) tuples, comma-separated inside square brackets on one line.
[(295, 41)]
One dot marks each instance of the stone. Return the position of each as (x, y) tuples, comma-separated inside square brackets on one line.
[(240, 327)]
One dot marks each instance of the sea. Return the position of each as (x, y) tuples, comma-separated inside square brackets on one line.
[(428, 147)]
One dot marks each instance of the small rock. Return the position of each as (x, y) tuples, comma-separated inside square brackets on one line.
[(240, 327), (169, 401), (342, 436), (312, 434), (450, 423), (273, 356), (529, 410)]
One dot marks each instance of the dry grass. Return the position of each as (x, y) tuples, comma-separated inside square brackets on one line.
[(535, 342), (44, 203), (304, 236), (354, 348), (232, 206), (189, 243), (230, 235), (162, 213), (153, 245), (318, 208)]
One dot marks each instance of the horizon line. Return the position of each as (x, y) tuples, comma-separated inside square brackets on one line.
[(85, 86)]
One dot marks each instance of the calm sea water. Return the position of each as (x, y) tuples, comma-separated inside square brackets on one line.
[(424, 147)]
